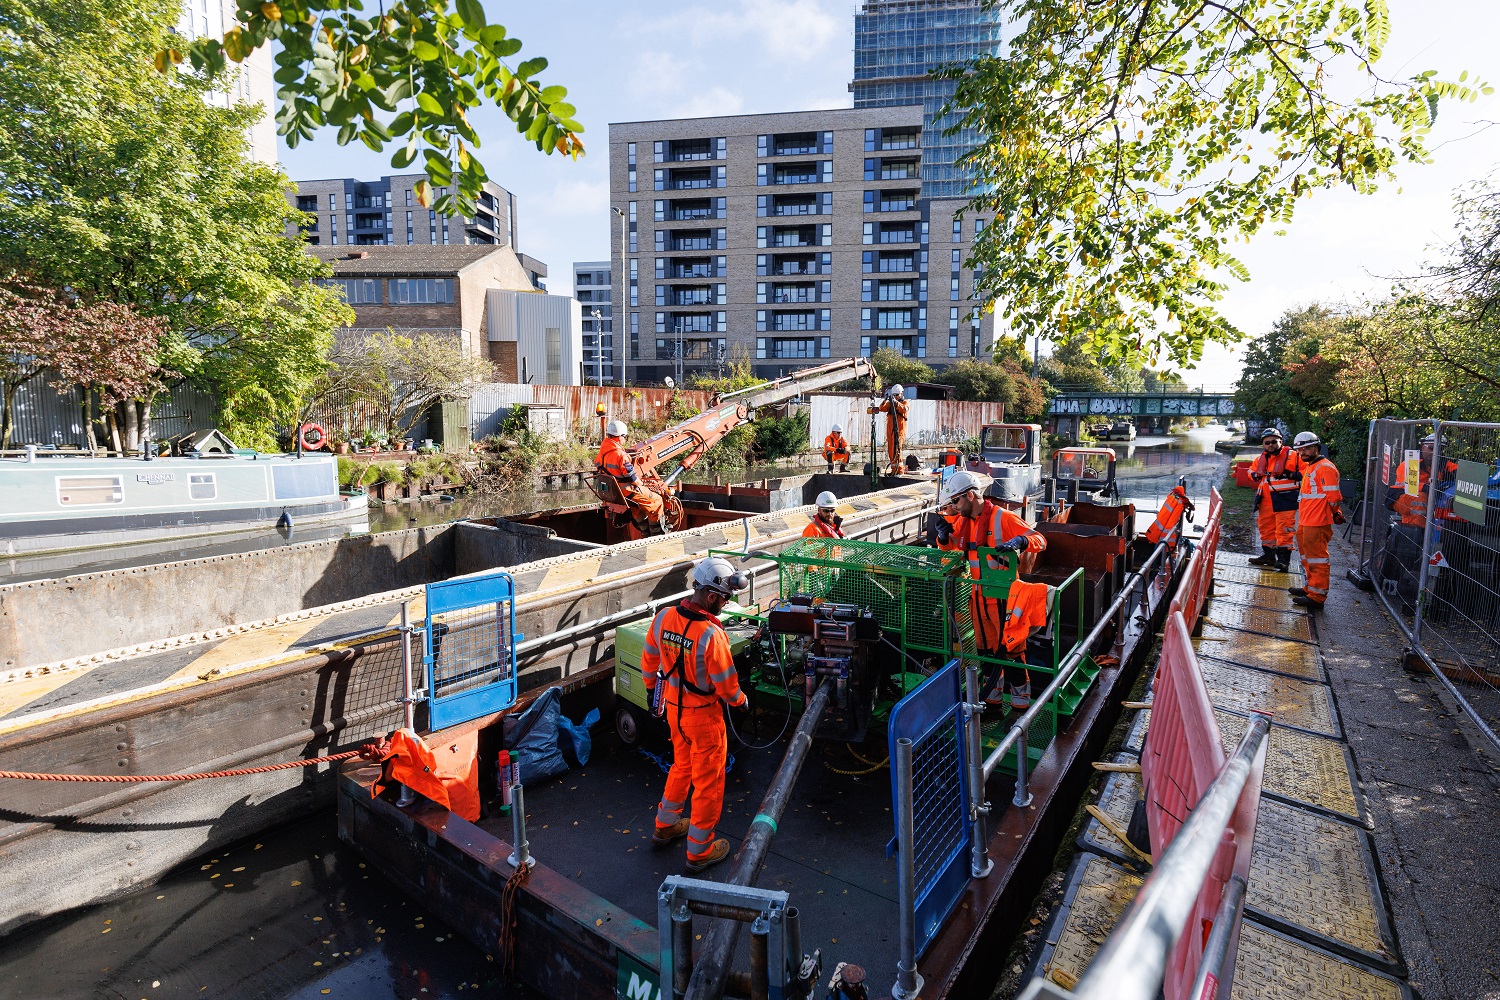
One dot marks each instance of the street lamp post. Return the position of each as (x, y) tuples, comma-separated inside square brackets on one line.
[(598, 343), (624, 303)]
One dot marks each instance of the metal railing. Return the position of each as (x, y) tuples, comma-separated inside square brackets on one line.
[(1132, 964), (1430, 544)]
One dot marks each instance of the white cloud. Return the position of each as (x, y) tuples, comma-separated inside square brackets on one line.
[(578, 197), (712, 102)]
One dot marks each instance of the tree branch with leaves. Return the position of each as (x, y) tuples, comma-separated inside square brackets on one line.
[(1126, 146), (341, 67)]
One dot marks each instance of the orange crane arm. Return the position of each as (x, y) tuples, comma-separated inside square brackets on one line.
[(697, 434)]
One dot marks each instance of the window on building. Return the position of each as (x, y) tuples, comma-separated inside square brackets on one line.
[(357, 291), (307, 203), (630, 166), (554, 355), (958, 229), (421, 291)]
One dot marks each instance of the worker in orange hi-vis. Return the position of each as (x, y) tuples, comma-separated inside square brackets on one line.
[(1171, 512), (687, 653), (983, 524), (836, 449), (1318, 510), (825, 523), (894, 406), (613, 461), (1275, 473)]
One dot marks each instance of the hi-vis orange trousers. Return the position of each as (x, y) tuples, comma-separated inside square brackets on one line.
[(1312, 544), (700, 747), (1277, 527)]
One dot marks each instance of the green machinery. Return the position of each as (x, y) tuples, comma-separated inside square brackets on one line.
[(876, 619)]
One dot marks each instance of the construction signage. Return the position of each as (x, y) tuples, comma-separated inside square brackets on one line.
[(1468, 491), (1412, 464)]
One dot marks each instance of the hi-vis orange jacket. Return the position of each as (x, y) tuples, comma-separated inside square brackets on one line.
[(1320, 494), (1168, 516), (835, 448), (1025, 609), (1280, 492), (612, 460), (692, 650), (819, 528), (993, 526)]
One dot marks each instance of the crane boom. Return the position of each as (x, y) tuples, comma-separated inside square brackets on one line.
[(699, 433), (690, 440)]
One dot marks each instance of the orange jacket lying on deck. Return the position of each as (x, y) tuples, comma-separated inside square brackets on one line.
[(449, 777)]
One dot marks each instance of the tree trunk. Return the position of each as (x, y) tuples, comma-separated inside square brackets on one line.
[(86, 404), (130, 426), (11, 388), (113, 426), (143, 411)]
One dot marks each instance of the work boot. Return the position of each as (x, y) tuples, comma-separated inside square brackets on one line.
[(844, 468), (1308, 603), (718, 852), (830, 466), (1267, 557), (1296, 592), (1020, 697), (1284, 560), (664, 835)]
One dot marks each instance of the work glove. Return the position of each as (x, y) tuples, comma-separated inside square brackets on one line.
[(1256, 477), (1017, 544), (940, 528), (1295, 477), (1255, 504), (743, 707), (1338, 515)]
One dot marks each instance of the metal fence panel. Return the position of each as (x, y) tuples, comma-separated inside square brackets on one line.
[(469, 648), (1431, 545), (932, 718)]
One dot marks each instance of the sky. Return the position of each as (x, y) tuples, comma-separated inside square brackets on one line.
[(625, 60)]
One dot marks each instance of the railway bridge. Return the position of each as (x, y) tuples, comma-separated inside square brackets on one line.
[(1076, 406)]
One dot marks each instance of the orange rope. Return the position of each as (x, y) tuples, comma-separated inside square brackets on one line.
[(122, 778)]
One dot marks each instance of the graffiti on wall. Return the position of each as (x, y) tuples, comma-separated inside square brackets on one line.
[(1123, 406), (943, 435)]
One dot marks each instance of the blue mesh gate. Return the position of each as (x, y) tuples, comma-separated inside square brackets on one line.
[(932, 718), (469, 648)]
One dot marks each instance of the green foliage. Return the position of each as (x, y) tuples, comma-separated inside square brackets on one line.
[(124, 186), (981, 381), (1125, 145), (414, 68), (782, 437), (894, 369), (401, 376)]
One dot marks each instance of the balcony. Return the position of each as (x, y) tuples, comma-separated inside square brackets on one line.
[(802, 320), (691, 295), (895, 234), (687, 240), (899, 170), (789, 347), (890, 139), (689, 179), (692, 210), (795, 144), (811, 172), (692, 350), (896, 201), (795, 204), (680, 268), (895, 319), (794, 264), (678, 323), (799, 292), (793, 236), (888, 263), (683, 150), (895, 291)]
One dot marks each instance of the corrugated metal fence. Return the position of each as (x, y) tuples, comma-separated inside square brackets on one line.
[(48, 416), (928, 421), (637, 407)]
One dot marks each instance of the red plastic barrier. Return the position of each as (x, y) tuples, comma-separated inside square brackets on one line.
[(1182, 756), (1199, 577)]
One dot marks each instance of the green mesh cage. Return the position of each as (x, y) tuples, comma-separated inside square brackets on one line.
[(919, 596)]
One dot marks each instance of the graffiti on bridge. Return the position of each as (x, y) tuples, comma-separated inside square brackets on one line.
[(1168, 406)]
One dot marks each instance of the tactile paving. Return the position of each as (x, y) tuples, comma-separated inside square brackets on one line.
[(1117, 801), (1291, 701), (1300, 767), (1094, 904), (1256, 575), (1276, 598), (1250, 650), (1272, 966), (1311, 875)]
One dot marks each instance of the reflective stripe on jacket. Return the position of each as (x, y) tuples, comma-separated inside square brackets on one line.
[(1282, 493), (835, 448), (1319, 495), (819, 528), (691, 649)]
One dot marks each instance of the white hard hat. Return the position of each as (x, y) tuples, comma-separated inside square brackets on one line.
[(898, 390), (718, 574), (1305, 438), (958, 484), (615, 429), (838, 428), (827, 500)]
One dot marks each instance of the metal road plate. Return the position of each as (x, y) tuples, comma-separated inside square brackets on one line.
[(1255, 575), (1272, 966), (1259, 595), (1097, 895), (1314, 878), (1281, 656), (1280, 624), (1302, 768), (1290, 701), (1116, 800)]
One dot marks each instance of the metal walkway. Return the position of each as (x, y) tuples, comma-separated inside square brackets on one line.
[(1316, 923)]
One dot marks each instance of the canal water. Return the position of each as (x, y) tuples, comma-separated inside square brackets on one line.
[(294, 914)]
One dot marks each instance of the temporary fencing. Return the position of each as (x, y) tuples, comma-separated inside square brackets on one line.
[(1198, 580), (469, 648), (1430, 545)]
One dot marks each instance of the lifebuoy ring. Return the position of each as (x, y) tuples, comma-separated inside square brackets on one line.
[(313, 437)]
